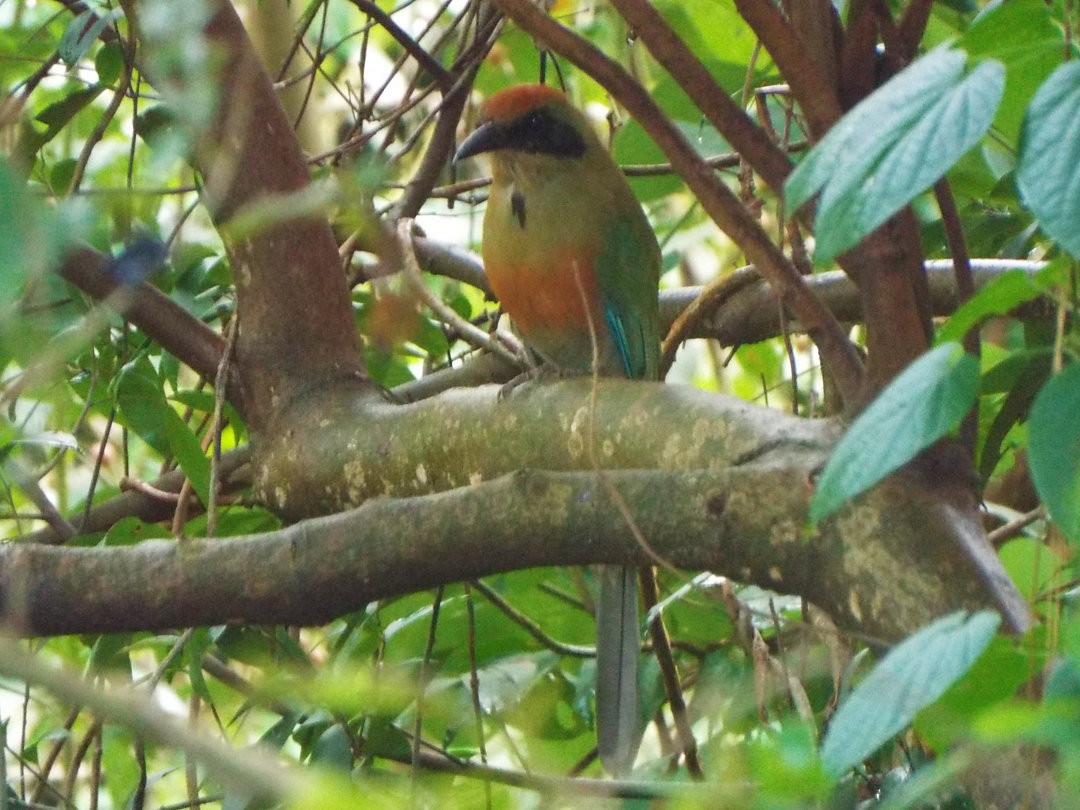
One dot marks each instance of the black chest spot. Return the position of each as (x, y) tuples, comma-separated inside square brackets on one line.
[(517, 208)]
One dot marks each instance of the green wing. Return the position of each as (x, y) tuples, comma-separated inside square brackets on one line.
[(628, 275)]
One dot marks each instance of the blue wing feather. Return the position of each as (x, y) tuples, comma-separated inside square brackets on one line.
[(618, 334)]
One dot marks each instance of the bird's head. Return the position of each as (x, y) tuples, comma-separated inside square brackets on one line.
[(530, 119)]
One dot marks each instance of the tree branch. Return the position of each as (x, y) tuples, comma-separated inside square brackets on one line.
[(809, 83), (440, 75), (745, 311), (288, 271), (748, 139), (163, 320), (888, 563)]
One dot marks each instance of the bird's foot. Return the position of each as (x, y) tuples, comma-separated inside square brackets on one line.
[(545, 372)]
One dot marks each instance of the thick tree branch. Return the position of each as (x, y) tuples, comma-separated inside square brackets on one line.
[(912, 27), (341, 449), (884, 565), (287, 273), (717, 200), (747, 313), (888, 268)]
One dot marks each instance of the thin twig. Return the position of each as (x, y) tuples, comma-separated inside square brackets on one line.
[(425, 662), (574, 786), (669, 673), (99, 131), (474, 688), (220, 382), (29, 485), (436, 71), (531, 627), (1007, 531), (965, 288), (809, 83), (711, 296)]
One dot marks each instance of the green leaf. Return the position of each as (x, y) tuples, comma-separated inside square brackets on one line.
[(1054, 448), (879, 119), (81, 33), (1035, 568), (278, 734), (1004, 293), (146, 411), (1048, 175), (111, 652), (61, 174), (994, 677), (1023, 35), (29, 241), (926, 401), (130, 530), (1019, 376), (59, 114), (894, 145), (109, 62), (332, 749), (911, 676), (195, 652)]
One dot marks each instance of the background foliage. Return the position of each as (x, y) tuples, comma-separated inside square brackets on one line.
[(476, 693)]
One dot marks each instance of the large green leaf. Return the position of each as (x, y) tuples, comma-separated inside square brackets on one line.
[(1054, 448), (27, 238), (148, 413), (82, 32), (1009, 290), (894, 145), (994, 677), (1024, 37), (926, 401), (882, 117), (1049, 172), (913, 675)]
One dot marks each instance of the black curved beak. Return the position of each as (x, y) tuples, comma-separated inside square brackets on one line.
[(485, 138)]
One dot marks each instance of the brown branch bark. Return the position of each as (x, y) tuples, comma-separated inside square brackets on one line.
[(440, 75), (820, 31), (766, 158), (296, 326), (912, 26), (811, 86), (717, 200), (886, 564), (858, 57), (748, 313), (163, 320), (888, 269)]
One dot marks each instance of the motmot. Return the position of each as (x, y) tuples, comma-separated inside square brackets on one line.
[(575, 264)]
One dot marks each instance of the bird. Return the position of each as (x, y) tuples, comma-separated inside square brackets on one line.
[(574, 262)]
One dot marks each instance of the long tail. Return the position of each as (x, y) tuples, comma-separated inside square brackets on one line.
[(618, 646)]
